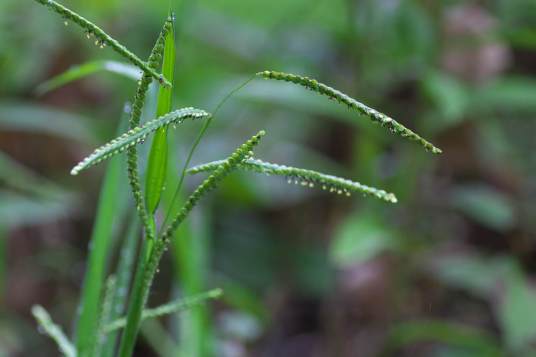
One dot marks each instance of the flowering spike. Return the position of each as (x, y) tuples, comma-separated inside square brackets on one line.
[(327, 182), (380, 118)]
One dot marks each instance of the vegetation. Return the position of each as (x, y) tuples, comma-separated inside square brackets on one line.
[(259, 267)]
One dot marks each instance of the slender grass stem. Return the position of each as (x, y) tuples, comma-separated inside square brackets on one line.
[(147, 270)]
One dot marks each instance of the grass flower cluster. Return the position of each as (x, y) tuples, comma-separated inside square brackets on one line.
[(110, 305)]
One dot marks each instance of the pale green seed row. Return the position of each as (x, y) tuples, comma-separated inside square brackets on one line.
[(169, 308), (303, 177), (54, 331), (137, 106), (210, 183), (380, 118), (102, 38), (137, 135)]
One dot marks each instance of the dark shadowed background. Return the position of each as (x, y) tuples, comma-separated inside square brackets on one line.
[(447, 271)]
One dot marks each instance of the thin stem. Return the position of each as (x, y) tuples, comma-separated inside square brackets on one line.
[(202, 132)]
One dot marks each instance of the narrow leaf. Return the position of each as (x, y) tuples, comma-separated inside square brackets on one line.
[(380, 118), (87, 69), (303, 177), (136, 136), (158, 156), (100, 243)]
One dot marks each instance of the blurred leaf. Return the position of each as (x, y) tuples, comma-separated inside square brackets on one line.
[(516, 311), (359, 238), (485, 205), (506, 95), (469, 338), (471, 273), (16, 210), (449, 96), (312, 271), (488, 278), (78, 72), (240, 297), (20, 116), (21, 178)]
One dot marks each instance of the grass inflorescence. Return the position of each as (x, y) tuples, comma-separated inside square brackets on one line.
[(103, 307), (303, 177), (380, 118), (102, 39), (137, 135)]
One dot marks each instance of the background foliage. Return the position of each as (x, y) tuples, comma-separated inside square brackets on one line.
[(447, 271)]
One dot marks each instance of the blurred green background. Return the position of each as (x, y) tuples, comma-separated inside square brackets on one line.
[(448, 271)]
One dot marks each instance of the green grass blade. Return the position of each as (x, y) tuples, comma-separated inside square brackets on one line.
[(303, 177), (54, 331), (169, 308), (105, 315), (158, 338), (3, 262), (100, 246), (377, 117), (478, 342), (147, 270), (136, 136), (84, 70), (124, 272), (189, 249), (158, 156), (102, 38), (19, 177)]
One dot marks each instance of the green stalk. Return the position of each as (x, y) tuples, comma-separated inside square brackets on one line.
[(147, 269), (102, 39), (99, 247)]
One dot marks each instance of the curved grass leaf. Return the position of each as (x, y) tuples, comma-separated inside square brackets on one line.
[(303, 177), (40, 119), (53, 330), (169, 308), (477, 342), (102, 39), (158, 156), (380, 118), (148, 269), (137, 135), (87, 69)]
